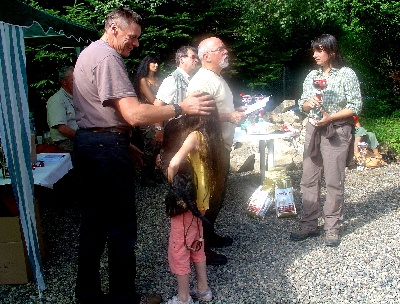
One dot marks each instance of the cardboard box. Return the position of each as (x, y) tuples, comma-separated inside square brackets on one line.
[(14, 262), (14, 268)]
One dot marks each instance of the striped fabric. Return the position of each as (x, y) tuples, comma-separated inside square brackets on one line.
[(15, 135)]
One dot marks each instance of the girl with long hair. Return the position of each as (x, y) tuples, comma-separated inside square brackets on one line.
[(196, 141)]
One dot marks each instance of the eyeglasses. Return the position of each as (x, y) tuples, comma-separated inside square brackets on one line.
[(220, 49), (191, 56)]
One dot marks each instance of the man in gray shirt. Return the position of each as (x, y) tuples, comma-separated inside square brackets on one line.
[(106, 110)]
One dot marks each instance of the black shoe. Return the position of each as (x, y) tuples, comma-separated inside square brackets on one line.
[(304, 234), (216, 259), (218, 241)]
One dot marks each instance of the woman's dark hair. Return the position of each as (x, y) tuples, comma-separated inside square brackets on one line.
[(329, 44), (175, 133), (143, 71)]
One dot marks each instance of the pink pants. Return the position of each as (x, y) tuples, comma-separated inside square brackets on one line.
[(179, 257)]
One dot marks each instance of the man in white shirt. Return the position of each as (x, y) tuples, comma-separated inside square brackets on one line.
[(173, 87), (214, 58)]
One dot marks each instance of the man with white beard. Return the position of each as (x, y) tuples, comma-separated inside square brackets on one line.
[(214, 58)]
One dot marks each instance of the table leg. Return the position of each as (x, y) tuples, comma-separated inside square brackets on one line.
[(270, 147), (261, 147)]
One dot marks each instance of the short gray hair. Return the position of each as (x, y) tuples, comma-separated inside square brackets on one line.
[(63, 73), (182, 52), (123, 16), (204, 48)]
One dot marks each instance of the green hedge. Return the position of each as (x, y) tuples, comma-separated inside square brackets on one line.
[(386, 129)]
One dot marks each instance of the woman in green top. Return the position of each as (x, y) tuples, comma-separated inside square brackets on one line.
[(329, 139)]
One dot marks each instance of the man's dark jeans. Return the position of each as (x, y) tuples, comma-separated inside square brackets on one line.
[(105, 175)]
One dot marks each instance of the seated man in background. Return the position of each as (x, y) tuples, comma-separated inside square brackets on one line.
[(61, 112), (362, 135)]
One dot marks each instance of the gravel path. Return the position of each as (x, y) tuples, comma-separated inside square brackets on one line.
[(264, 265)]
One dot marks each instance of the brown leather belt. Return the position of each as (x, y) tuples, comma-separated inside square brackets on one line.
[(123, 131)]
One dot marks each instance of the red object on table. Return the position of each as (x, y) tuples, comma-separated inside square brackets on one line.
[(48, 148)]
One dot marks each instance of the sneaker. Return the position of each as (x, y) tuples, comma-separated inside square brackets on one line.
[(202, 296), (175, 300), (303, 234), (332, 238)]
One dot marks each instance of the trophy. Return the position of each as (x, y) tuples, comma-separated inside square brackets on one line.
[(320, 85)]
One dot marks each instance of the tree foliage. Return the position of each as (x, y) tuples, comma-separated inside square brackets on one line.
[(268, 40), (372, 39)]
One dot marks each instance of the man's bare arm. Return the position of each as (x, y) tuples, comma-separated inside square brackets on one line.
[(139, 114), (233, 117), (66, 131)]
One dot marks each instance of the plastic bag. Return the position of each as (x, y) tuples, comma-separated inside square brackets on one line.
[(260, 201), (284, 201), (276, 188)]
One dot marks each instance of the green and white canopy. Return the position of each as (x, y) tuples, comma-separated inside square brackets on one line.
[(41, 28)]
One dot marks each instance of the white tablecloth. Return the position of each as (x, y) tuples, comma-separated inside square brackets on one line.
[(56, 165), (242, 136)]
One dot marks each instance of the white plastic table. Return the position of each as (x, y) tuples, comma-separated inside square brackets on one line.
[(56, 165), (264, 140)]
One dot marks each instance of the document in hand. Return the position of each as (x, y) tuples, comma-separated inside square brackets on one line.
[(259, 104)]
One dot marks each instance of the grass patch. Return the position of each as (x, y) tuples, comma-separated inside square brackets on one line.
[(386, 129)]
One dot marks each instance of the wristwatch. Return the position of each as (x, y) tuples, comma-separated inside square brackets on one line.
[(178, 110), (158, 128)]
